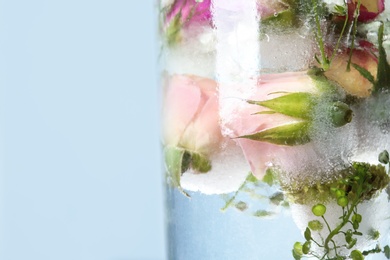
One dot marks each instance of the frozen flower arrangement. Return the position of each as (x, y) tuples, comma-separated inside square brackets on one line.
[(295, 117)]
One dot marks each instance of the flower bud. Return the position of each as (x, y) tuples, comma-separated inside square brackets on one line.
[(290, 134), (341, 114)]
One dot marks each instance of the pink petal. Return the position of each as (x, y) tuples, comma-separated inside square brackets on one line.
[(204, 133), (246, 121), (181, 102), (259, 155), (190, 11)]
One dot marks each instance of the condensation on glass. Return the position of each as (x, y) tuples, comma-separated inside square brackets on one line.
[(275, 128)]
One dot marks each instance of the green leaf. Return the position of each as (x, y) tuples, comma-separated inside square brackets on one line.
[(383, 74), (283, 19), (290, 134), (384, 157), (277, 198), (352, 244), (200, 163), (174, 163), (340, 9), (299, 105), (251, 178), (263, 213), (269, 177), (365, 73), (374, 234), (241, 206), (264, 113), (173, 30), (386, 251)]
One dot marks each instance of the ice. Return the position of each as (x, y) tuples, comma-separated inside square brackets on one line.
[(194, 55), (237, 30), (229, 170), (334, 148), (329, 151), (237, 57), (288, 51), (332, 3), (373, 123)]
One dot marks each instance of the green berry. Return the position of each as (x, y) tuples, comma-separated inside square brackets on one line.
[(356, 255), (298, 248), (306, 247), (342, 201), (315, 225), (339, 193), (348, 236), (318, 210), (341, 114), (357, 218)]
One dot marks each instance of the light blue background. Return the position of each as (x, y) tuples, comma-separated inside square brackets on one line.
[(80, 169)]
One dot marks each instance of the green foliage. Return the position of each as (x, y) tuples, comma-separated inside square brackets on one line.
[(290, 135), (178, 160), (383, 74), (298, 104), (253, 188), (347, 185), (365, 73), (315, 225), (361, 183), (384, 157), (386, 251)]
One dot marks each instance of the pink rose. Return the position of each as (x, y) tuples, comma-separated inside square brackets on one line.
[(277, 119), (260, 154), (190, 116)]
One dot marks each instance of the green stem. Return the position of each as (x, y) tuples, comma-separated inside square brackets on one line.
[(341, 35), (325, 62), (339, 227), (334, 247), (354, 30), (230, 201), (326, 222), (316, 243)]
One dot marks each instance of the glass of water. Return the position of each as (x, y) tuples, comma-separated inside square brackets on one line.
[(275, 128)]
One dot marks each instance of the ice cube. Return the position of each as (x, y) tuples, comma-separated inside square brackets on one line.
[(288, 51), (228, 172), (194, 54)]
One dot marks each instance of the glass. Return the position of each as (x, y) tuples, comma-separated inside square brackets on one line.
[(275, 128)]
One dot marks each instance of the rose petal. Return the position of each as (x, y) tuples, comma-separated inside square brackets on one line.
[(352, 81), (181, 102)]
